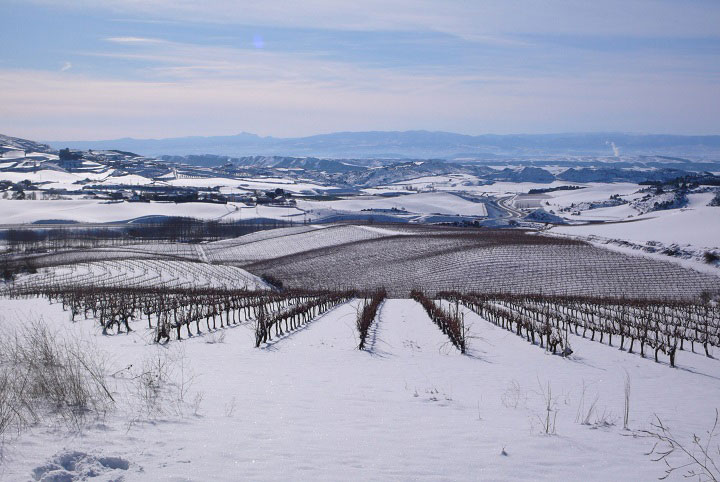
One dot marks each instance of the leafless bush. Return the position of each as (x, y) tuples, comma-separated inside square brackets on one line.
[(512, 396), (45, 375), (626, 411), (584, 414), (8, 404), (149, 383), (606, 418), (548, 417), (162, 386), (697, 459)]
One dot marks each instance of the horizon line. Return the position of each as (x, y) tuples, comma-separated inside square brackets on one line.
[(567, 133)]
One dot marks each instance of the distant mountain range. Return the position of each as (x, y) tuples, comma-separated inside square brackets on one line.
[(23, 155), (418, 144)]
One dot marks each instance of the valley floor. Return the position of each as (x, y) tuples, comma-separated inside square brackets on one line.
[(311, 406)]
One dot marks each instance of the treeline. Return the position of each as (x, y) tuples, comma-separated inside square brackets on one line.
[(175, 229), (554, 189)]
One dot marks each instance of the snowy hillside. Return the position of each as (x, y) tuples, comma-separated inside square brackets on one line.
[(410, 407)]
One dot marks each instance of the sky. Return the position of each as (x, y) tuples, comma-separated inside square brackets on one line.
[(104, 69)]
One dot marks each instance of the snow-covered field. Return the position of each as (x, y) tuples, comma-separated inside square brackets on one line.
[(94, 211), (313, 407), (59, 179), (290, 241), (404, 257), (250, 184), (696, 225), (145, 273), (482, 260), (422, 203)]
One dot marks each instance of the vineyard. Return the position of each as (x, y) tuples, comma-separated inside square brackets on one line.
[(662, 326), (464, 361), (140, 273), (171, 308), (169, 311), (299, 336), (486, 261), (262, 246), (397, 258)]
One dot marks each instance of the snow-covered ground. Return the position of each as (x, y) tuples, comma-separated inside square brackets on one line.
[(312, 407), (94, 211), (250, 184), (422, 203), (471, 184), (697, 225), (57, 179), (145, 273), (267, 245), (54, 179)]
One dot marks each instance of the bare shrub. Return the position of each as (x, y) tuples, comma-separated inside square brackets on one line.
[(697, 459), (45, 375), (163, 384), (584, 415), (149, 383), (512, 395), (548, 417), (626, 410), (8, 404)]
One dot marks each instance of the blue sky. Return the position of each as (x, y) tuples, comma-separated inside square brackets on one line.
[(94, 69)]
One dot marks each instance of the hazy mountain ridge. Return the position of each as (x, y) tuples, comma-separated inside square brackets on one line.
[(358, 172), (416, 144)]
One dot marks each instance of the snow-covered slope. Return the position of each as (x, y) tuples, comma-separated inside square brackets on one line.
[(698, 226), (313, 407)]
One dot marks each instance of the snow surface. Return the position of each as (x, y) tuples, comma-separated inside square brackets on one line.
[(290, 241), (312, 407), (422, 203), (145, 273), (95, 211), (50, 175), (251, 184), (698, 225)]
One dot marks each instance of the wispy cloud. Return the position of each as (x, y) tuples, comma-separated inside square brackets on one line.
[(272, 68), (134, 40), (458, 17), (208, 104)]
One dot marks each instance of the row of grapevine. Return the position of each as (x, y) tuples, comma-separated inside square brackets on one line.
[(170, 310), (664, 326), (452, 323), (367, 314), (141, 273), (309, 307), (479, 263)]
